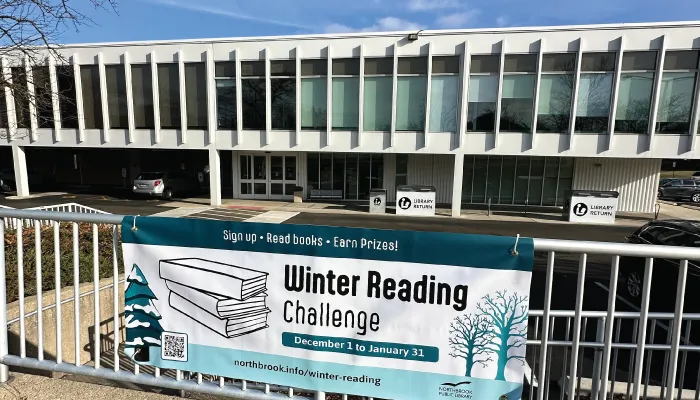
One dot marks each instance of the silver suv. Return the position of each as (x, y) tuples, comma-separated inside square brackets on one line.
[(166, 184)]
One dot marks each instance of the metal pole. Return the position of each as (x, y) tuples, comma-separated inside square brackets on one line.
[(4, 370), (598, 360)]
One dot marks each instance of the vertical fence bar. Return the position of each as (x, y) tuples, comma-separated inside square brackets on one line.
[(320, 396), (20, 288), (649, 357), (684, 360), (631, 363), (4, 370), (221, 383), (642, 333), (609, 324), (616, 351), (676, 334), (577, 326), (545, 322), (76, 293), (39, 295), (57, 273), (566, 355), (115, 287), (96, 284)]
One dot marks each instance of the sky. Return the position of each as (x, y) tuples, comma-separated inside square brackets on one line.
[(192, 19)]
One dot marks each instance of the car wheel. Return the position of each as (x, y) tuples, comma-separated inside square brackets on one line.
[(167, 194), (695, 198), (634, 284), (659, 194)]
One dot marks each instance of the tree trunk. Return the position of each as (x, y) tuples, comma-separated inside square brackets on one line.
[(502, 359), (470, 365)]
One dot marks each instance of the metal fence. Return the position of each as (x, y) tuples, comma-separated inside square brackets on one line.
[(65, 207), (584, 337)]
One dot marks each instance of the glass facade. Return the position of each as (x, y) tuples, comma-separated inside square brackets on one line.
[(540, 181), (428, 91), (344, 176)]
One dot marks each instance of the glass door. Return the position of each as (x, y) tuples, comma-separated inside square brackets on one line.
[(253, 174), (283, 176), (268, 176)]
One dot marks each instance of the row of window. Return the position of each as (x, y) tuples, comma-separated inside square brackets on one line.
[(557, 85)]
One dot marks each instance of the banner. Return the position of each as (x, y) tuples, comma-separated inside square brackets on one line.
[(378, 313)]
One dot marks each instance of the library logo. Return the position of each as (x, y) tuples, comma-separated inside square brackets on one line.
[(377, 201), (580, 209), (404, 203), (456, 390)]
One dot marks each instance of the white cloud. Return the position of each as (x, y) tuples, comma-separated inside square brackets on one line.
[(193, 6), (501, 21), (381, 25), (423, 5), (457, 20)]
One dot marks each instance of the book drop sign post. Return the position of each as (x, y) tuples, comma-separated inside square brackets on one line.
[(378, 313)]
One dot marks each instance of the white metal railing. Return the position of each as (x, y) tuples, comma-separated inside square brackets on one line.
[(66, 207), (573, 350)]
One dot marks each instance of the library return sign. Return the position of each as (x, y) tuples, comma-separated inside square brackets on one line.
[(378, 313)]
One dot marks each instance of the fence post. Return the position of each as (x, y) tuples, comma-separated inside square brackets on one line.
[(4, 370), (598, 360)]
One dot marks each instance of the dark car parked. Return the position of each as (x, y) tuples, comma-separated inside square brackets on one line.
[(681, 189)]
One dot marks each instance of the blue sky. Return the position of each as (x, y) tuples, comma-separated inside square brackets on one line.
[(182, 19)]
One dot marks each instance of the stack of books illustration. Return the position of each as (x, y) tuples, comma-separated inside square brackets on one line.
[(228, 299)]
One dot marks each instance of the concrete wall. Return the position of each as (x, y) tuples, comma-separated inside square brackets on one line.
[(87, 323)]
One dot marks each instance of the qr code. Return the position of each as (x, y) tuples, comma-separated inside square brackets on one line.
[(174, 346)]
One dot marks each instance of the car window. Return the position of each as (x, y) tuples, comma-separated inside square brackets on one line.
[(692, 241), (147, 176), (671, 237), (696, 174), (675, 183), (649, 234), (687, 183)]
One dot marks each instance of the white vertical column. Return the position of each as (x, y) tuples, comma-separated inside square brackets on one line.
[(501, 65), (9, 101), (183, 96), (56, 105), (33, 120), (79, 98), (394, 89), (297, 105), (19, 162), (211, 98), (268, 98), (156, 97), (428, 89), (658, 78), (129, 98), (463, 96), (214, 177), (457, 185), (536, 104), (695, 114), (615, 92), (239, 98), (329, 97), (574, 96), (361, 102), (103, 97)]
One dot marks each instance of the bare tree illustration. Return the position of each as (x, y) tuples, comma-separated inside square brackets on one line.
[(507, 316), (29, 35), (469, 338)]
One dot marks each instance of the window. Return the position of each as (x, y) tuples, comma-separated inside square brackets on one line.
[(21, 95), (42, 93), (594, 92), (196, 95), (66, 97), (635, 90), (142, 89), (351, 174), (253, 94), (92, 103), (116, 97), (483, 90), (444, 94), (676, 94), (169, 95), (225, 76), (378, 94), (401, 170), (556, 90), (314, 94), (649, 234), (516, 180), (518, 93), (411, 93), (283, 94), (346, 94), (671, 237)]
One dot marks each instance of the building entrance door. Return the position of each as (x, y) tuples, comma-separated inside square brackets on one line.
[(267, 176)]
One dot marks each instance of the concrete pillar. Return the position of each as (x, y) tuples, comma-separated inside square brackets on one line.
[(19, 161), (457, 185), (214, 177)]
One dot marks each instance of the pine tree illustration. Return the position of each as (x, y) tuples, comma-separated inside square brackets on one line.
[(143, 329)]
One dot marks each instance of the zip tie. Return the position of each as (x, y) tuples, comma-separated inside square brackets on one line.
[(513, 252), (134, 228)]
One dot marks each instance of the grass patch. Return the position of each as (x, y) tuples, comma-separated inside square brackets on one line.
[(677, 174), (85, 257)]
